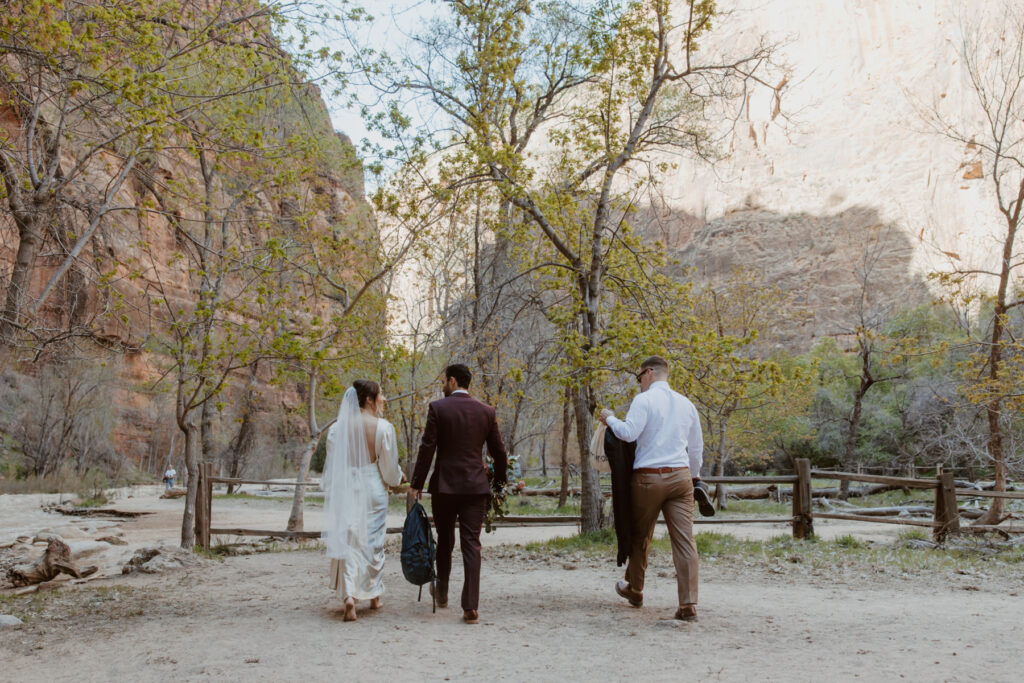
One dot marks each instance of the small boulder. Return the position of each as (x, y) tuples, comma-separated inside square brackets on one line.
[(9, 621), (80, 549), (159, 559), (141, 557), (112, 540)]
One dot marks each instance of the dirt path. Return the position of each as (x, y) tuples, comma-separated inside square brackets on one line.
[(270, 617)]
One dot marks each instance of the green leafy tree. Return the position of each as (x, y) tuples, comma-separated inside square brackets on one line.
[(721, 358), (566, 113)]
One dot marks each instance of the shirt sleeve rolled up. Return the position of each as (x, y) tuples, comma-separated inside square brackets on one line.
[(629, 429)]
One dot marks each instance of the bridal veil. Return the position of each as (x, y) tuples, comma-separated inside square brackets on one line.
[(347, 496)]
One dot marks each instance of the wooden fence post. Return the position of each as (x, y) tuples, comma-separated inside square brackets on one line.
[(947, 515), (803, 521), (204, 502)]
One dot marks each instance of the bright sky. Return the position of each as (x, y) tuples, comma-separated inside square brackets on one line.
[(393, 21)]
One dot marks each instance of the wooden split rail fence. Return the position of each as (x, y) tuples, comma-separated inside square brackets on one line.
[(945, 519)]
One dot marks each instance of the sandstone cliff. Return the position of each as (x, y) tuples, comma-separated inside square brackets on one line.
[(141, 248), (844, 157)]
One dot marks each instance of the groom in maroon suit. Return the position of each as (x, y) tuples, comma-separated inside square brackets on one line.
[(457, 428)]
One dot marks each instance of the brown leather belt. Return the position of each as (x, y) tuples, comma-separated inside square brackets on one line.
[(658, 470)]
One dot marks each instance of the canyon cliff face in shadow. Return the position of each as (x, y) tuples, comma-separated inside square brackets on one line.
[(818, 260)]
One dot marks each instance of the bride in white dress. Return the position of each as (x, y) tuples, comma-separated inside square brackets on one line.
[(362, 458)]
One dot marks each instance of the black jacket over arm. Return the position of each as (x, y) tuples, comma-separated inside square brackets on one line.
[(620, 458)]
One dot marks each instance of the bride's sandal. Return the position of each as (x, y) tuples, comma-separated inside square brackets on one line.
[(350, 610), (376, 603)]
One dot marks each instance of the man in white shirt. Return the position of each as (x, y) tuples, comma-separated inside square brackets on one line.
[(669, 448)]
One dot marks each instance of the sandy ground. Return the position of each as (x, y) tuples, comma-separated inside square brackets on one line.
[(271, 617)]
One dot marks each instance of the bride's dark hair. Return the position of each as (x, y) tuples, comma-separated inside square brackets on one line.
[(366, 390)]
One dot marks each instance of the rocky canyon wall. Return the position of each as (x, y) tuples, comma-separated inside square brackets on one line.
[(842, 161)]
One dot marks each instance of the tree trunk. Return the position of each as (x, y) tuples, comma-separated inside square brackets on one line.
[(721, 501), (853, 427), (721, 496), (30, 240), (993, 409), (591, 501), (544, 457), (563, 494), (206, 431), (188, 519), (241, 446), (295, 518)]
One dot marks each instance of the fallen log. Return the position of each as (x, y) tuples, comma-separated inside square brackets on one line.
[(93, 512), (553, 493), (894, 511), (854, 492), (753, 492), (55, 561), (548, 492)]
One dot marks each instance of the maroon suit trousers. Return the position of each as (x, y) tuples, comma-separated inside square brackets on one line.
[(469, 510)]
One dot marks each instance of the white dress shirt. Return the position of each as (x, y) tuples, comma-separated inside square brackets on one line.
[(666, 428)]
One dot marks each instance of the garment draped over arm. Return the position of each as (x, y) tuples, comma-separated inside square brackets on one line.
[(387, 453)]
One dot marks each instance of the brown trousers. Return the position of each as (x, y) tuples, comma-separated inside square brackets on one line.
[(469, 509), (671, 494)]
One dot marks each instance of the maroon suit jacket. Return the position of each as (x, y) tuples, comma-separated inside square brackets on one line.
[(457, 428)]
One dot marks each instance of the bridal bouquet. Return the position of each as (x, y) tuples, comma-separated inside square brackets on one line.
[(496, 501)]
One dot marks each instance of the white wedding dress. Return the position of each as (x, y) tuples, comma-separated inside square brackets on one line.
[(356, 501)]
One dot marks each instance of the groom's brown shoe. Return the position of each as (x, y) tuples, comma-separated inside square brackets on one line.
[(687, 613), (440, 596), (636, 598), (471, 616)]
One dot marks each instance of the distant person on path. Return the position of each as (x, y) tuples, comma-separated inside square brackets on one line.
[(669, 447), (457, 428), (362, 457), (169, 476)]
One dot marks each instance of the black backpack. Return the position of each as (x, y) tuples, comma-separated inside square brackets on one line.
[(418, 550)]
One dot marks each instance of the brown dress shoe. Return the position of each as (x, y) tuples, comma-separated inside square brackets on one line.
[(470, 616), (687, 613), (636, 598), (440, 595)]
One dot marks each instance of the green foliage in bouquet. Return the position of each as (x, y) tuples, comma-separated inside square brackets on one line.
[(496, 501)]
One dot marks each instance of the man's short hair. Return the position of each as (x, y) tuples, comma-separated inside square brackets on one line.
[(461, 374), (656, 363)]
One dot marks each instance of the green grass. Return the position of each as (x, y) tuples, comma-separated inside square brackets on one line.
[(848, 541), (842, 553), (910, 533), (269, 545), (591, 542), (95, 501), (310, 498), (542, 506), (80, 602), (756, 508)]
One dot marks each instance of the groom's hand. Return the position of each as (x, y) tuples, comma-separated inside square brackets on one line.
[(415, 494)]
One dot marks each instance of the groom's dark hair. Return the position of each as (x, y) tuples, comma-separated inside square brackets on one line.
[(461, 374), (656, 363)]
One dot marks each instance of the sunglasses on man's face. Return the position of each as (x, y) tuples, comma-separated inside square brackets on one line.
[(640, 375)]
